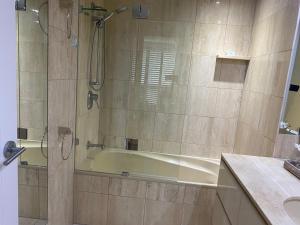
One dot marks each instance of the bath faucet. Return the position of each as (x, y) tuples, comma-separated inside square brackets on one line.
[(91, 145)]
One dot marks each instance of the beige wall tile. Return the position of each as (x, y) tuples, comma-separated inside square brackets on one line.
[(168, 127), (162, 213), (219, 216), (43, 202), (28, 176), (165, 192), (115, 94), (237, 40), (125, 211), (201, 101), (94, 184), (203, 71), (166, 147), (196, 130), (199, 195), (171, 10), (208, 39), (29, 201), (172, 99), (114, 122), (241, 12), (140, 124), (212, 12), (228, 103), (127, 187), (91, 208), (126, 64)]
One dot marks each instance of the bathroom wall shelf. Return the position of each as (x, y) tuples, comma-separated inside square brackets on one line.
[(244, 58)]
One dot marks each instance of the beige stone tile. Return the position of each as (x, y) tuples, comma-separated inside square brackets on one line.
[(166, 147), (114, 141), (43, 178), (28, 176), (241, 12), (163, 66), (168, 127), (204, 150), (125, 61), (195, 215), (26, 221), (285, 24), (199, 195), (31, 114), (228, 103), (270, 116), (127, 187), (162, 213), (114, 122), (208, 39), (140, 124), (212, 12), (172, 99), (122, 32), (95, 184), (203, 71), (219, 216), (251, 108), (62, 60), (171, 10), (115, 94), (165, 192), (237, 40), (279, 64), (33, 86), (157, 37), (125, 211), (223, 132), (201, 101), (32, 57), (230, 74), (143, 97), (196, 130), (43, 202), (29, 201), (91, 208)]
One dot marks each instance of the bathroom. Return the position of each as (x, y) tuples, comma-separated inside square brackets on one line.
[(150, 112)]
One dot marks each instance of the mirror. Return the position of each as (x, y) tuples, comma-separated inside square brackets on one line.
[(292, 110)]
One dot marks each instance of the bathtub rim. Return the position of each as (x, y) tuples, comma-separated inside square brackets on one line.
[(144, 178)]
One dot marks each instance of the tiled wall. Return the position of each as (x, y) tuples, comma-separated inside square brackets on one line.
[(105, 200), (273, 34), (162, 87), (62, 71), (33, 192), (32, 69), (87, 121)]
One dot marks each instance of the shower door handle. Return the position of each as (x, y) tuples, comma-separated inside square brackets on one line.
[(11, 152)]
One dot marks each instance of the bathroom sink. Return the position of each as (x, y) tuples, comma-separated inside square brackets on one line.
[(292, 207)]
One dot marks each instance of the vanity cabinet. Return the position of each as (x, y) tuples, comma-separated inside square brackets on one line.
[(232, 206)]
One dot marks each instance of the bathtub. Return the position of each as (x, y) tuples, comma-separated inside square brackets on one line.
[(158, 166), (33, 155)]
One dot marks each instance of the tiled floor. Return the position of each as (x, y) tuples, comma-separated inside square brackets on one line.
[(29, 221)]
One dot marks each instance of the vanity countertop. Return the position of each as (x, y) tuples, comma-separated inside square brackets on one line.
[(267, 184)]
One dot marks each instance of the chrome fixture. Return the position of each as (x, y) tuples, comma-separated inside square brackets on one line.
[(91, 98), (11, 152), (91, 145), (20, 5), (98, 45), (36, 13), (63, 132)]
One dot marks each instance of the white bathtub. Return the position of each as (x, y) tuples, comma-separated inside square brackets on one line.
[(152, 165), (33, 155)]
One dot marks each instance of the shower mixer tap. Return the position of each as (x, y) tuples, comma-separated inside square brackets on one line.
[(91, 98)]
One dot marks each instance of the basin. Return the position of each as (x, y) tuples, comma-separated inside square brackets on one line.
[(292, 208)]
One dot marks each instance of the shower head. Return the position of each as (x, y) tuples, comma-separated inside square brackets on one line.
[(121, 9)]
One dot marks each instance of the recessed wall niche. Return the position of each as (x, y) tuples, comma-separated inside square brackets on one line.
[(231, 71)]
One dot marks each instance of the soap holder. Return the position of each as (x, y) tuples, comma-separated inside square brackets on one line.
[(293, 166)]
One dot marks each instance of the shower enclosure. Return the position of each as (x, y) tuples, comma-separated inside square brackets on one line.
[(160, 112), (32, 59)]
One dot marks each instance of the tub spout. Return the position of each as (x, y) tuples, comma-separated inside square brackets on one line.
[(91, 145)]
